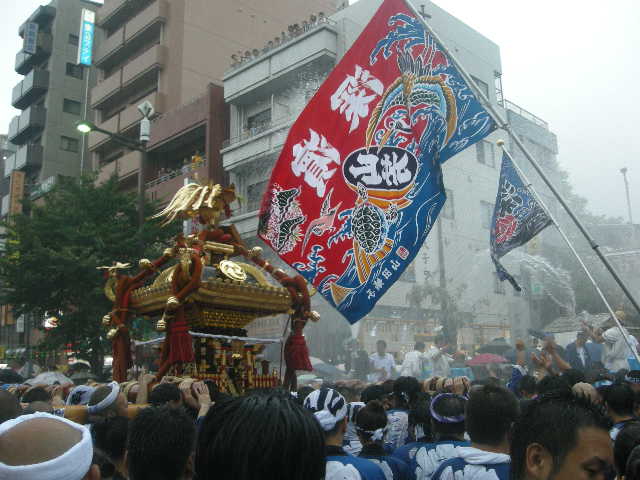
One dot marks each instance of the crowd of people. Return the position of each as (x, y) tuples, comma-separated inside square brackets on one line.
[(189, 164), (604, 349), (540, 425), (293, 31), (561, 416)]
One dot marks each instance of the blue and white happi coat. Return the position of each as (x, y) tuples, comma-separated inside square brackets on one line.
[(351, 442), (430, 456), (397, 429), (341, 466), (407, 452), (392, 467), (475, 464)]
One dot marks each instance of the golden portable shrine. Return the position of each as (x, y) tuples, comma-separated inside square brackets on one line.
[(204, 290)]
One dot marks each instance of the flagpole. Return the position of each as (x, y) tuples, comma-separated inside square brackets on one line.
[(503, 124), (564, 236)]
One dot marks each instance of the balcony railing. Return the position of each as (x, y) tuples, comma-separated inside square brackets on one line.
[(30, 121), (155, 57), (184, 170), (28, 156), (43, 187), (526, 114), (156, 12), (110, 45), (42, 15), (257, 130), (116, 12), (33, 85), (108, 10), (257, 54), (106, 88), (9, 164), (118, 46), (26, 61)]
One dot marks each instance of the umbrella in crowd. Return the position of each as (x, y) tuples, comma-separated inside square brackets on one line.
[(497, 346), (485, 359), (7, 375), (49, 378), (326, 370)]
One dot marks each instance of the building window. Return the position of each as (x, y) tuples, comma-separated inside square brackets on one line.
[(260, 121), (71, 106), (254, 195), (487, 213), (447, 209), (498, 286), (74, 39), (75, 71), (69, 144), (485, 153), (483, 86)]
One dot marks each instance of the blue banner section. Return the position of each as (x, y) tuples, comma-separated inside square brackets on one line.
[(517, 217)]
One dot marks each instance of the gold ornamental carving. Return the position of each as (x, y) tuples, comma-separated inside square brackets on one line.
[(232, 270)]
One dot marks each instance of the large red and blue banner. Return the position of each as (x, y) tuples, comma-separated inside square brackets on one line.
[(358, 184)]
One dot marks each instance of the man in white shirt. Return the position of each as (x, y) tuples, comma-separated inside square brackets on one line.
[(413, 362), (440, 360), (615, 350), (382, 363)]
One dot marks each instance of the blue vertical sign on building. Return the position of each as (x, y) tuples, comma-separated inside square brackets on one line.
[(87, 31)]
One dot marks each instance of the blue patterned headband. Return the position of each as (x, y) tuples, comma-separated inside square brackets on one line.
[(440, 418), (629, 379), (603, 383)]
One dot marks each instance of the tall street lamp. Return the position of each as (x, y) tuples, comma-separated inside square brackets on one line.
[(140, 145), (623, 171)]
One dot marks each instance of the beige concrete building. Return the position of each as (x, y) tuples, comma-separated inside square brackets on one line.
[(169, 52)]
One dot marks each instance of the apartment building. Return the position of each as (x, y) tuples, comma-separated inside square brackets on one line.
[(266, 95), (51, 97), (169, 52)]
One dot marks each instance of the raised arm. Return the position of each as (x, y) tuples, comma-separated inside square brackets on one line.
[(520, 353), (143, 392), (594, 333), (551, 349)]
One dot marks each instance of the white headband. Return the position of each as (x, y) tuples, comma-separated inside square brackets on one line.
[(326, 419), (80, 395), (71, 465), (107, 401), (376, 435)]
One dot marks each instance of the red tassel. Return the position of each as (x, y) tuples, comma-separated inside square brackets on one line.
[(181, 350), (296, 353)]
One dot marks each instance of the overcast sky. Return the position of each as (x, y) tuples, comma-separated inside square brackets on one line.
[(572, 62), (575, 64)]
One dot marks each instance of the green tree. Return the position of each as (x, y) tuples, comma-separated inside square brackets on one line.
[(52, 251)]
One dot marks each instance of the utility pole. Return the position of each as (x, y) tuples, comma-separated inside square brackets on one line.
[(623, 171), (147, 111), (444, 306)]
